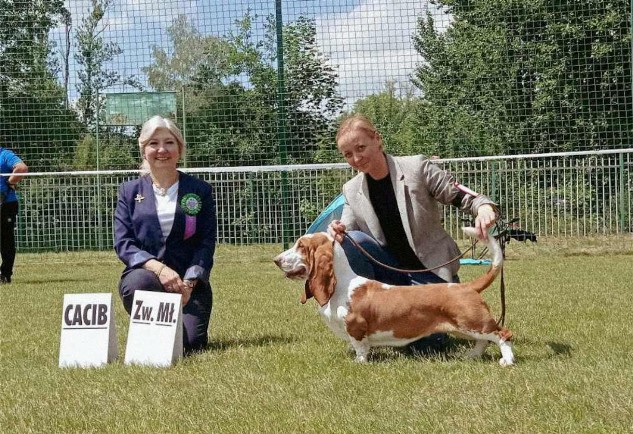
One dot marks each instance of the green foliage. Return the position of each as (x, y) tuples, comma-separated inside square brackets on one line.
[(231, 99), (92, 56), (113, 150), (34, 119), (395, 118), (85, 154), (527, 76), (501, 77), (191, 52), (119, 150), (311, 100)]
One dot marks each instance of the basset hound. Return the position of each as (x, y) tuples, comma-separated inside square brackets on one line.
[(367, 313)]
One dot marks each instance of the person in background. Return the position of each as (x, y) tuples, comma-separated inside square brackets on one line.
[(11, 164), (392, 211), (165, 230)]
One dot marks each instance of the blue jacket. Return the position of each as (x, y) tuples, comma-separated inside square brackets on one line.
[(138, 236)]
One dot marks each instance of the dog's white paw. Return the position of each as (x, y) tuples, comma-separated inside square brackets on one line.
[(360, 359), (506, 362)]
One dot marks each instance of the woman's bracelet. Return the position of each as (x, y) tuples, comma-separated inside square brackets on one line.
[(160, 270)]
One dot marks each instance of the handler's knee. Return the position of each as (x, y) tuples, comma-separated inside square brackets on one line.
[(136, 279)]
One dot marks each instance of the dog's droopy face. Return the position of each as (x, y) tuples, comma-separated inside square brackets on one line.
[(292, 261), (310, 259)]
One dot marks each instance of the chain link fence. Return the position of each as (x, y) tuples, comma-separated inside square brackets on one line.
[(259, 83), (559, 195), (265, 82)]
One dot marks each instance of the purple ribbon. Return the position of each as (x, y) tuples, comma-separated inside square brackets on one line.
[(190, 226)]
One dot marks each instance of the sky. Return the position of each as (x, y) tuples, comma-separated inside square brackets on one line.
[(367, 41)]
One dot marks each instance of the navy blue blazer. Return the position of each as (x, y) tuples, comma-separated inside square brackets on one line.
[(138, 236)]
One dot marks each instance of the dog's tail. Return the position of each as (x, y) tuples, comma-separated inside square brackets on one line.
[(484, 281)]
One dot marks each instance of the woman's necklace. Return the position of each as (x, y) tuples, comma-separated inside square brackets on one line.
[(161, 191)]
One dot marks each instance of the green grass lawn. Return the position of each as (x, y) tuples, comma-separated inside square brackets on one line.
[(274, 367)]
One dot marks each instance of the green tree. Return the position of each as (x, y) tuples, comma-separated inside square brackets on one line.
[(312, 101), (526, 76), (231, 91), (117, 150), (92, 56), (34, 120), (394, 115), (191, 53), (202, 67)]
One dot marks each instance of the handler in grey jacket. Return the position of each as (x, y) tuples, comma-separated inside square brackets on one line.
[(392, 210)]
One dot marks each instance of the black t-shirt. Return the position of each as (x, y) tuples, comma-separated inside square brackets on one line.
[(383, 199)]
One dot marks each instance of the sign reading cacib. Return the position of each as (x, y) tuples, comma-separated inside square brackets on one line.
[(88, 333), (155, 333)]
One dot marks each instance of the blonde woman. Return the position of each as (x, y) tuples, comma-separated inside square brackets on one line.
[(165, 230), (392, 210)]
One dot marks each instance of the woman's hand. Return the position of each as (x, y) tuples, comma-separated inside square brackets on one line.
[(186, 294), (486, 217), (172, 282), (336, 229)]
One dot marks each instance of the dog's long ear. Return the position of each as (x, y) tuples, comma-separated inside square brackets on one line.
[(321, 281), (307, 294), (307, 291)]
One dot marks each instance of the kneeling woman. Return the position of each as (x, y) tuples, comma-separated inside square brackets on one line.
[(165, 230)]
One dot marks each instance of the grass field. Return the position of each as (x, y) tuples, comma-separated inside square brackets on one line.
[(273, 366)]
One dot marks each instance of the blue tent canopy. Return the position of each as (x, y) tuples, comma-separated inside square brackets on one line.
[(334, 211), (331, 212)]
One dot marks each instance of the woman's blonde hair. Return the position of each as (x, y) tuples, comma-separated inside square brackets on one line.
[(356, 121), (149, 129)]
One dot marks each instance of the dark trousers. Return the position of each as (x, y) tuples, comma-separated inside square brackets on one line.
[(8, 214), (195, 314), (363, 266)]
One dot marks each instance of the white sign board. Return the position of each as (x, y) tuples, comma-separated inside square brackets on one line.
[(155, 334), (88, 336)]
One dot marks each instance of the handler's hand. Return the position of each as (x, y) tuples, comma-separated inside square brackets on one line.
[(186, 294), (337, 230), (172, 282), (486, 217)]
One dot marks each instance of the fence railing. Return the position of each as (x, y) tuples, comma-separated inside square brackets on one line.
[(574, 194)]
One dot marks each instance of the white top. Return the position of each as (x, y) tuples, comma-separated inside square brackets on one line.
[(166, 207)]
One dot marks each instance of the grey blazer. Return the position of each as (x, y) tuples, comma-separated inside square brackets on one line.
[(419, 185)]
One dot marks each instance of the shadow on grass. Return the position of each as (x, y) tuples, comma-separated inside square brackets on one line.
[(444, 349), (48, 281), (455, 348), (560, 349), (261, 341)]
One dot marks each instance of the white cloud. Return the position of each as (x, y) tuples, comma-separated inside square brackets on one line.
[(131, 15), (372, 44), (134, 25)]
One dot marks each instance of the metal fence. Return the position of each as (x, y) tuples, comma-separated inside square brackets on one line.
[(261, 82), (561, 195), (265, 82)]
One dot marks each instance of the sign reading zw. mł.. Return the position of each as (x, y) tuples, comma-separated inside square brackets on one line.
[(155, 333)]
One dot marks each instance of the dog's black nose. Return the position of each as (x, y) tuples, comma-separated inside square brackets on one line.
[(277, 261)]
